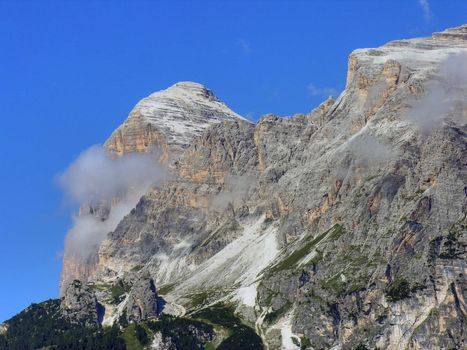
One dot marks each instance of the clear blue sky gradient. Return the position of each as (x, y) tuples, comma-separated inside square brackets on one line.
[(70, 71)]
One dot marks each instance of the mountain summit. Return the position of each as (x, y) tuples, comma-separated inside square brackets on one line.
[(170, 119)]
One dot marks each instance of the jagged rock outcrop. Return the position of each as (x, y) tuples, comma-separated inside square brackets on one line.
[(79, 305), (342, 228), (142, 300)]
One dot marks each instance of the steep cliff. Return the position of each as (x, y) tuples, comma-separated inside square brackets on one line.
[(341, 228)]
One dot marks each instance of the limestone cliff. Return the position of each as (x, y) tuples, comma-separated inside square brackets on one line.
[(165, 122), (343, 228)]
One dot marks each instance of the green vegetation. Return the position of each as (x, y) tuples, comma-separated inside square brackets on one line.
[(130, 337), (137, 268), (369, 178), (335, 284), (41, 326), (434, 312), (222, 231), (304, 342), (240, 335), (118, 291), (355, 268), (165, 289), (219, 314), (209, 346), (296, 341), (123, 319), (141, 334), (275, 315), (420, 191), (398, 290), (361, 347), (268, 299), (332, 234), (452, 246), (183, 333), (199, 299), (100, 286)]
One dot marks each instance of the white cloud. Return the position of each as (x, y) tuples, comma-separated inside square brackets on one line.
[(314, 90), (445, 97), (244, 45), (369, 150), (425, 5), (97, 176), (236, 189), (251, 116), (96, 179)]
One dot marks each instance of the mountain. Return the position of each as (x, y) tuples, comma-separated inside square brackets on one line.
[(167, 121), (342, 228)]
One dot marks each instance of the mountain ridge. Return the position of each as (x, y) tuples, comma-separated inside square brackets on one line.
[(344, 228)]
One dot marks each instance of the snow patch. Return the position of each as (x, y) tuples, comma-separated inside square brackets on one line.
[(307, 258), (247, 295), (181, 245), (287, 335), (184, 111), (166, 267), (240, 262), (112, 313)]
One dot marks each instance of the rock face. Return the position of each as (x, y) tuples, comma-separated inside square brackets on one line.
[(167, 121), (142, 300), (79, 305), (342, 228)]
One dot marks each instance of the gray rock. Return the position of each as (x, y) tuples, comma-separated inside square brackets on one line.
[(79, 305), (142, 300)]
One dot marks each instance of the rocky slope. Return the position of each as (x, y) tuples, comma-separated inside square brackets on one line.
[(344, 228)]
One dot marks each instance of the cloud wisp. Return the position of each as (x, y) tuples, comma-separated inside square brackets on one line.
[(106, 188), (314, 90), (445, 97), (368, 150), (236, 190), (244, 46), (364, 153), (425, 5)]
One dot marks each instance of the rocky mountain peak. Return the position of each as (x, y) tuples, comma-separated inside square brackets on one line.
[(190, 90), (170, 119)]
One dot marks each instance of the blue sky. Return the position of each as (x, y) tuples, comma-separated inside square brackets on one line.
[(71, 71)]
